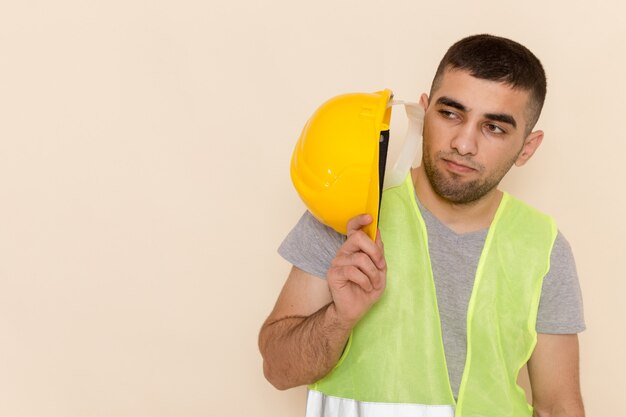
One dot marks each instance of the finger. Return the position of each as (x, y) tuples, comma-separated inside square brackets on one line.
[(357, 223), (364, 263), (360, 260), (360, 242), (379, 241), (351, 274)]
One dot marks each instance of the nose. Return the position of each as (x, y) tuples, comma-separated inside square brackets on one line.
[(465, 142)]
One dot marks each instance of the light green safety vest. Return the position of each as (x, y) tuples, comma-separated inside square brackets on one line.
[(394, 362)]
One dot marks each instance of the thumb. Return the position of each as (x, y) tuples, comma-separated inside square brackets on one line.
[(356, 223)]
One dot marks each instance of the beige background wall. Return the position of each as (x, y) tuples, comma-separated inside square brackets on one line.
[(144, 188)]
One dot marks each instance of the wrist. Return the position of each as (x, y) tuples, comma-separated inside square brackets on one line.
[(339, 321)]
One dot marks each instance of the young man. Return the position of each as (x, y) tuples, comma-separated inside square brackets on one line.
[(470, 285)]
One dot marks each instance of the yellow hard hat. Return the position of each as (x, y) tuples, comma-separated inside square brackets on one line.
[(338, 162)]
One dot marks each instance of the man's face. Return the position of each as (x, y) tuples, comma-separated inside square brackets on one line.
[(474, 131)]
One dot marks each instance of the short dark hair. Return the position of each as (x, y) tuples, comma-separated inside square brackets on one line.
[(495, 58)]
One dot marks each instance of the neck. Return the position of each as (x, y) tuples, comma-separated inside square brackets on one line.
[(462, 218)]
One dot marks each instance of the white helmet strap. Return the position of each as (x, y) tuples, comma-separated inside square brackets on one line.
[(396, 173)]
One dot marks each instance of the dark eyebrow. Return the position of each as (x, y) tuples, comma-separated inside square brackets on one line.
[(447, 101), (497, 117), (504, 118)]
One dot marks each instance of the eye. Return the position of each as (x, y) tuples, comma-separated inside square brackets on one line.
[(447, 114), (492, 128)]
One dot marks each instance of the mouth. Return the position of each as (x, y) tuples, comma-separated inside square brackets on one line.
[(458, 166)]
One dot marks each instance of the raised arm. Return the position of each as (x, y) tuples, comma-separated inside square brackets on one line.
[(554, 376), (305, 334)]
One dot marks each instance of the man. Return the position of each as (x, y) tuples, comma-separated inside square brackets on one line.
[(470, 285)]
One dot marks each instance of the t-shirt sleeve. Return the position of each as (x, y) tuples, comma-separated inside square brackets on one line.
[(561, 304), (311, 245)]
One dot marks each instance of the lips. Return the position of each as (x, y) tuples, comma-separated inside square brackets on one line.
[(458, 166)]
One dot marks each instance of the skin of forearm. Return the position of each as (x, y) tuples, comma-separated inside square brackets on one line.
[(300, 350), (571, 409)]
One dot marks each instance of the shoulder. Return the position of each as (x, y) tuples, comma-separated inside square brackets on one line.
[(309, 229), (561, 304), (311, 245), (562, 258), (525, 209), (526, 225)]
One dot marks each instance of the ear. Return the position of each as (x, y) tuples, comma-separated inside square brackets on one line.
[(424, 101), (531, 143)]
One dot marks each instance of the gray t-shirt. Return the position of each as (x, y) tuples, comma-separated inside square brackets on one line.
[(311, 246)]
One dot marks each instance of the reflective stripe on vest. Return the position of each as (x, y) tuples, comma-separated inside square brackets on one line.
[(394, 361), (322, 405)]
